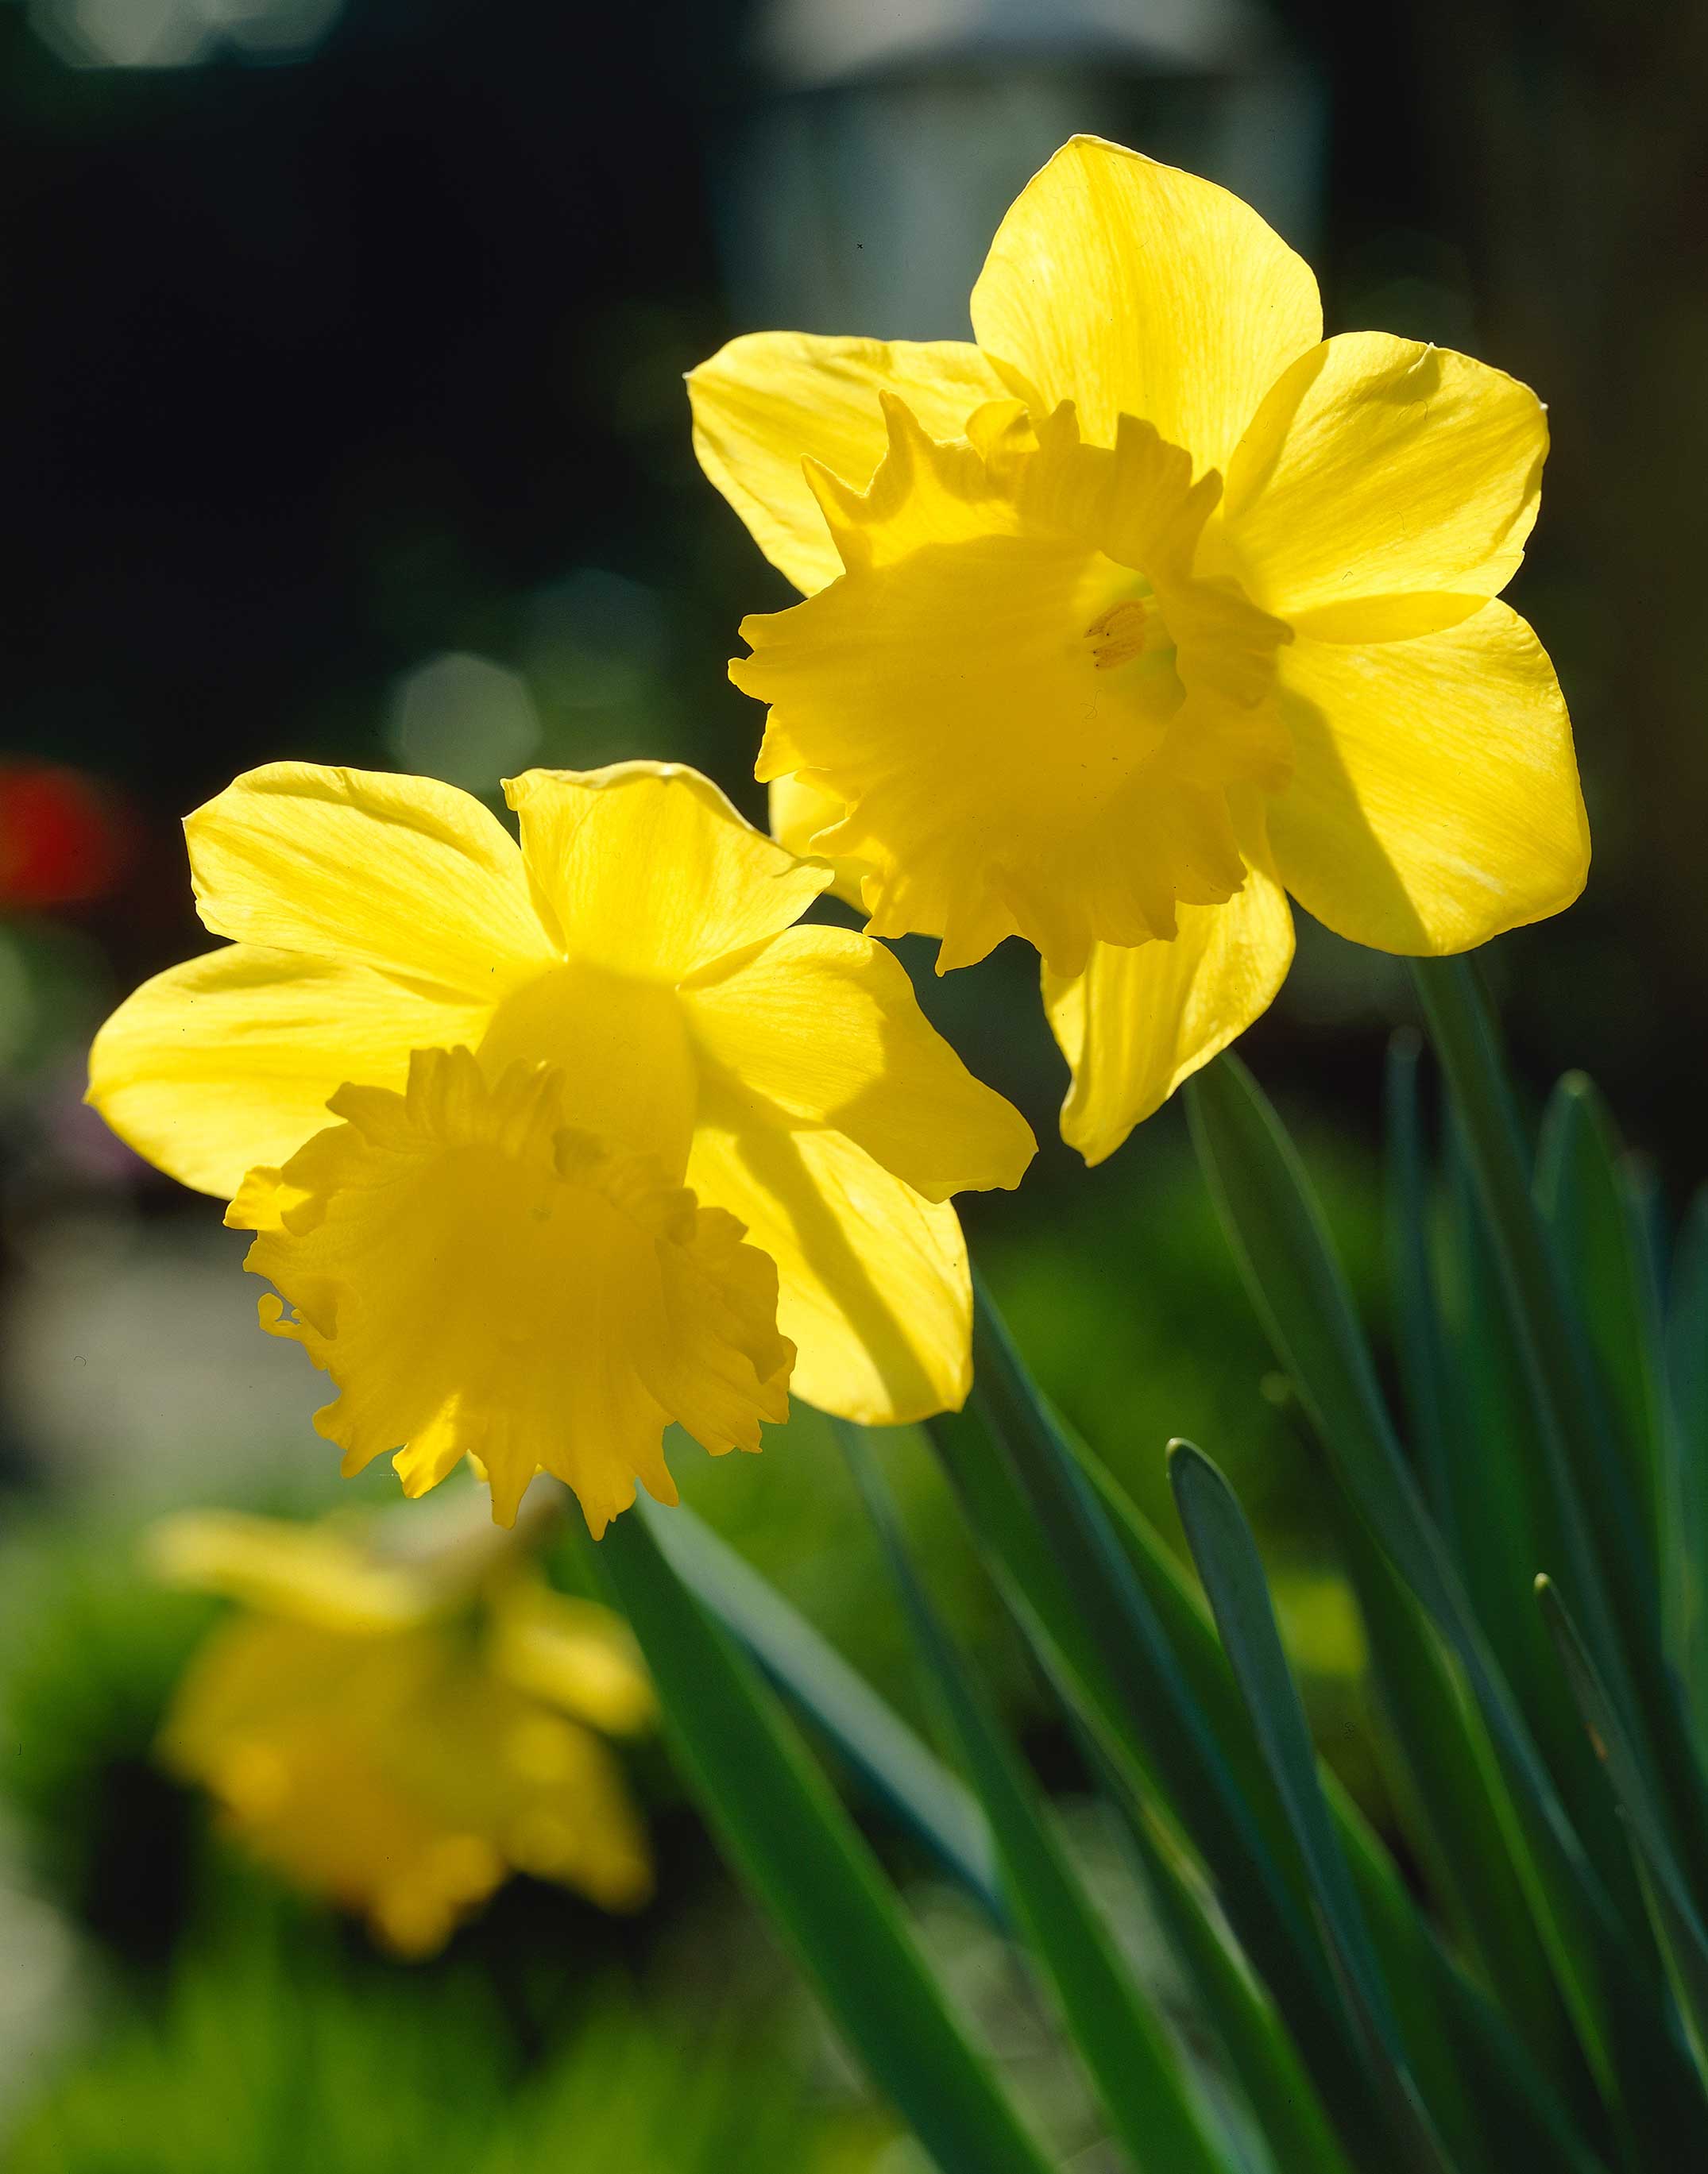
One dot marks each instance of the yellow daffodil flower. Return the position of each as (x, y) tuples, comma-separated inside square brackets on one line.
[(617, 1144), (398, 1734), (1148, 608)]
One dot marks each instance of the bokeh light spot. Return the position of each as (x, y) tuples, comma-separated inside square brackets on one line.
[(465, 719), (158, 34)]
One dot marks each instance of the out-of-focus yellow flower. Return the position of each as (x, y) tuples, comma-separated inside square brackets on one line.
[(399, 1735), (616, 1138), (1148, 608)]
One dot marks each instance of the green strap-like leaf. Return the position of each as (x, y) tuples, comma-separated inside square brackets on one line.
[(1260, 2055), (880, 1747), (1244, 2018), (1468, 1826), (1450, 2030), (1227, 1559), (1679, 1930), (1297, 1287), (1076, 1594), (1422, 1359), (1617, 1588), (807, 1863), (1126, 1709), (1468, 2060), (1509, 1501), (1687, 1375), (1133, 2066), (1585, 1202)]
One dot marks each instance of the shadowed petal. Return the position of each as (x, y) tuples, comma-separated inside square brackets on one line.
[(823, 1024), (1434, 801)]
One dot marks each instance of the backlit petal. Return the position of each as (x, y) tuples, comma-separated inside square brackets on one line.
[(1435, 800), (1141, 1020), (800, 809), (403, 873), (227, 1061), (824, 1026), (873, 1288), (479, 1281), (1133, 289), (770, 400), (1380, 468), (645, 869)]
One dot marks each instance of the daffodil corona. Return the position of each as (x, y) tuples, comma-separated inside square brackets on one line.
[(1145, 610), (546, 1147)]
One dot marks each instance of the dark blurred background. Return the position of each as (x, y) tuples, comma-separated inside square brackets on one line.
[(343, 419)]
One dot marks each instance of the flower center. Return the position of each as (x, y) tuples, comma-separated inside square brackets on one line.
[(622, 1043), (1117, 635), (1029, 707)]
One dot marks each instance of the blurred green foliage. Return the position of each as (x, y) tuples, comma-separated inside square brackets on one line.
[(266, 2050)]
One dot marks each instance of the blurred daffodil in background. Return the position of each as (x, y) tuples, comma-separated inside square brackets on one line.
[(398, 1733), (615, 1143), (1148, 608)]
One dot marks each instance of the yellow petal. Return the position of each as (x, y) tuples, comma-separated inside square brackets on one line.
[(873, 1288), (402, 874), (573, 1654), (1434, 801), (1380, 468), (311, 1572), (646, 869), (480, 1281), (800, 808), (398, 1775), (952, 689), (824, 1026), (296, 1732), (770, 400), (1139, 1020), (1132, 289), (228, 1061)]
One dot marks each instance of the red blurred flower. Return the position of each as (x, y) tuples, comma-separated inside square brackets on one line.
[(63, 837)]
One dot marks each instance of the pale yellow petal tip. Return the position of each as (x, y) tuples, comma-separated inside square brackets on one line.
[(1016, 1153), (314, 1573), (573, 1653), (638, 772), (259, 1202)]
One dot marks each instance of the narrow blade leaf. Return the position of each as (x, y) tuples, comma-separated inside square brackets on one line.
[(1678, 1929), (1133, 2066), (808, 1863), (879, 1746), (1228, 1562)]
